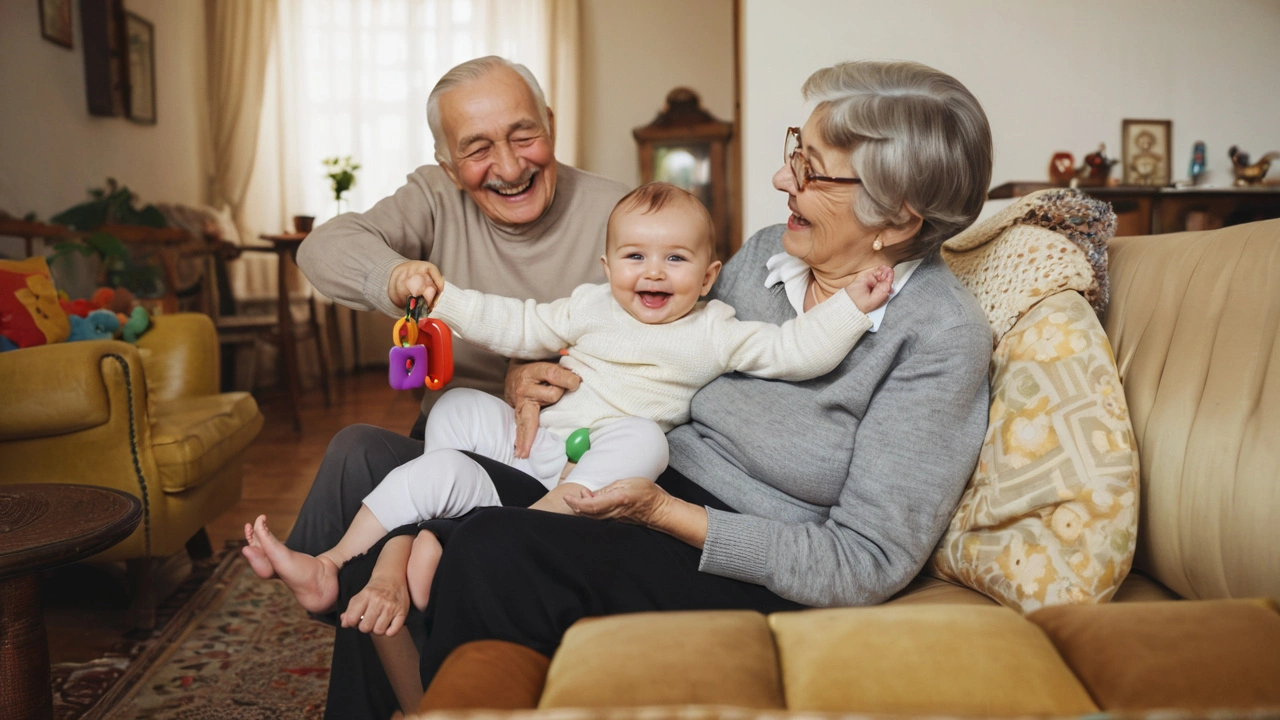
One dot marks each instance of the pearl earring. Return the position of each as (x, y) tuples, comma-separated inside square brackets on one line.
[(877, 245)]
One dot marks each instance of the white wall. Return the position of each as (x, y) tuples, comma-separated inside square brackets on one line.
[(52, 151), (1051, 75), (633, 54)]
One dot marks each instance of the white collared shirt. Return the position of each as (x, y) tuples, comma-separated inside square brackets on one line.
[(794, 274)]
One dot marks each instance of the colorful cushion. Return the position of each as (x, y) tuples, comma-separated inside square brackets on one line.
[(1050, 515), (29, 311)]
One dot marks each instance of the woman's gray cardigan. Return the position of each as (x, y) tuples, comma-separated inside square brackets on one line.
[(843, 483)]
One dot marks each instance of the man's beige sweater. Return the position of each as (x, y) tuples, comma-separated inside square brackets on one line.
[(350, 258)]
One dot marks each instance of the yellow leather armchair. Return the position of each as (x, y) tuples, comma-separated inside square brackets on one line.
[(146, 419)]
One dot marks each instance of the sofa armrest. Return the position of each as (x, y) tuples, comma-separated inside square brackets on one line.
[(58, 389), (180, 354)]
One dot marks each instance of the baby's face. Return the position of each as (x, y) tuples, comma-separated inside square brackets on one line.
[(659, 264)]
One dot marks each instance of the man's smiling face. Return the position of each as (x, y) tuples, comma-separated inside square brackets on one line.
[(501, 154)]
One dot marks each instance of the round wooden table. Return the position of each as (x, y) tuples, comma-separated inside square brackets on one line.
[(43, 526)]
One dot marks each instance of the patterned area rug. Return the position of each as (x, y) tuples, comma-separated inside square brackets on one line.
[(246, 650)]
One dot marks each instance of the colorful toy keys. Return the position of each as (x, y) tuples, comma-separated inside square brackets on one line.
[(422, 352)]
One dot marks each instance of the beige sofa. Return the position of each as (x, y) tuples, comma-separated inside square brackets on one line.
[(1193, 323)]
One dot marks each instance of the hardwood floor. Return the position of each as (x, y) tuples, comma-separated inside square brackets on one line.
[(85, 606)]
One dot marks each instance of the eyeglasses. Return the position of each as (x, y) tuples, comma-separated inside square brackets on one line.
[(794, 157)]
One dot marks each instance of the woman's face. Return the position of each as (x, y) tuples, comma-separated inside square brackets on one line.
[(822, 229)]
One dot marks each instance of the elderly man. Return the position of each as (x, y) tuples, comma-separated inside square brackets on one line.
[(498, 214)]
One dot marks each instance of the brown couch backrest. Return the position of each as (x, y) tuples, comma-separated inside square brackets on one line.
[(1193, 321)]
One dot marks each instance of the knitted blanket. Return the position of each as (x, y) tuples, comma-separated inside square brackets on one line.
[(1046, 242)]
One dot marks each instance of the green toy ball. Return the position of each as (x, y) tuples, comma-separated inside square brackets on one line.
[(577, 444)]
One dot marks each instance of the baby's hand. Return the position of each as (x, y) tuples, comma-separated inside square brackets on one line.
[(415, 277), (870, 288)]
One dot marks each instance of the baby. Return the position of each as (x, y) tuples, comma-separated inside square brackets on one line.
[(643, 345)]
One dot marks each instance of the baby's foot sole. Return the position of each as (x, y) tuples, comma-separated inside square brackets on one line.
[(312, 580)]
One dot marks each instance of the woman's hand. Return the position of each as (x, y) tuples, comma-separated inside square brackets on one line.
[(530, 386), (380, 608), (383, 604), (641, 501), (412, 278)]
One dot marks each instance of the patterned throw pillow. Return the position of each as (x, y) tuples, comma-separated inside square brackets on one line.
[(1050, 515), (29, 311)]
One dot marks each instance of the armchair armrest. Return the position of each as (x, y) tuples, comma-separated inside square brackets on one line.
[(180, 353), (58, 389)]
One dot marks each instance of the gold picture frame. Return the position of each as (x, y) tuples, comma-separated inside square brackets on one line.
[(55, 22), (1147, 152), (140, 55)]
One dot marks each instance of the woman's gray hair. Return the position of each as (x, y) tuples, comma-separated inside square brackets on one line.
[(915, 135), (470, 71)]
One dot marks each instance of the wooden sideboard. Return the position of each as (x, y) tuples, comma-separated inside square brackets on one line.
[(1151, 210)]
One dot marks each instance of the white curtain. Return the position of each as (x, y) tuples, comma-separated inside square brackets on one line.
[(239, 38), (351, 78)]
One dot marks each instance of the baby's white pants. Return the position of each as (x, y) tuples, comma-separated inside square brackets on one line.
[(443, 482)]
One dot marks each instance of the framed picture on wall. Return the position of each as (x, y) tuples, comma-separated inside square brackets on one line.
[(1146, 151), (55, 22), (140, 43)]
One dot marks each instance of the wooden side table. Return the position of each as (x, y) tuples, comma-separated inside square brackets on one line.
[(1155, 210), (43, 526), (285, 246)]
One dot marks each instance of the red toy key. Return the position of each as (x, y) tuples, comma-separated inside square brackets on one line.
[(438, 339)]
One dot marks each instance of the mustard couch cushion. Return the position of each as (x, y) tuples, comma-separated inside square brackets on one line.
[(1050, 515), (195, 436), (923, 659), (1186, 655), (666, 658)]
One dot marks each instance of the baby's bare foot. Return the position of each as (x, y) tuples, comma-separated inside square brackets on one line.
[(253, 553), (312, 580)]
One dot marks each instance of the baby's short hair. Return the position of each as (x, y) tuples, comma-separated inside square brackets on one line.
[(651, 198)]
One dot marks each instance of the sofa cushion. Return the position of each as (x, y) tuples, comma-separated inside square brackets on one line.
[(490, 674), (193, 437), (1185, 655), (1140, 588), (1050, 515), (925, 590), (667, 658), (923, 659), (1193, 320)]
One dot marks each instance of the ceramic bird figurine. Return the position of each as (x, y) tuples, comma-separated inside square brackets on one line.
[(1197, 162), (1247, 174)]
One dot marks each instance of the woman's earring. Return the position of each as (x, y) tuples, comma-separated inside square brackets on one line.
[(877, 245)]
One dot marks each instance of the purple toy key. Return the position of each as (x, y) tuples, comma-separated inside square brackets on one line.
[(408, 367)]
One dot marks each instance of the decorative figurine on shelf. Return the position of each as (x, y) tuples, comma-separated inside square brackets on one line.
[(1197, 162), (1062, 167), (1247, 174), (412, 363), (1096, 168)]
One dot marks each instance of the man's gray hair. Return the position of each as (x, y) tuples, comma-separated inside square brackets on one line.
[(915, 136), (470, 71)]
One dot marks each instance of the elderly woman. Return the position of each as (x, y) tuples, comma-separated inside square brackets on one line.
[(779, 495)]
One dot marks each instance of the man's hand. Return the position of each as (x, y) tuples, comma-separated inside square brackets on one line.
[(530, 386), (414, 277)]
